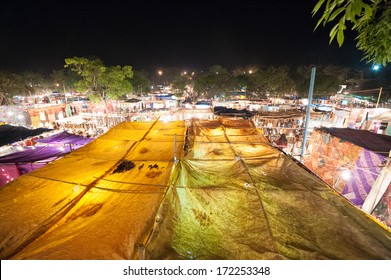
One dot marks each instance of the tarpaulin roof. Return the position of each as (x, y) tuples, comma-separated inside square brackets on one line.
[(65, 138), (374, 142), (33, 154), (10, 134), (234, 199), (232, 196), (97, 202)]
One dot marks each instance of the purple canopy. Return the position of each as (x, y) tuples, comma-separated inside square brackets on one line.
[(65, 138), (30, 158), (33, 154)]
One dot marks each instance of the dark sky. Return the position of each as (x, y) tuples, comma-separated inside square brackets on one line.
[(39, 35)]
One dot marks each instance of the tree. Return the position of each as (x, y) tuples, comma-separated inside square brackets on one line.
[(140, 82), (179, 86), (101, 82), (270, 81), (278, 81), (370, 19), (246, 78), (98, 81), (328, 79), (215, 82), (35, 82), (10, 86), (63, 79)]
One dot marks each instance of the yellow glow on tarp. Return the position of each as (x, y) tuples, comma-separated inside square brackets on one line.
[(86, 210), (250, 201)]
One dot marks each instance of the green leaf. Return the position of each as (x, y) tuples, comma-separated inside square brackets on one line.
[(336, 13), (318, 23), (328, 11), (333, 32), (348, 13), (327, 5), (368, 11), (317, 7), (340, 36), (357, 7)]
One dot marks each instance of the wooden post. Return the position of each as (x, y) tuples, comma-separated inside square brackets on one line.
[(378, 98)]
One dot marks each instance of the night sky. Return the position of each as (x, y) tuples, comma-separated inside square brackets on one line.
[(39, 35)]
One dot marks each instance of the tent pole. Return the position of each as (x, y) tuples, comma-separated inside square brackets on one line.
[(307, 118), (378, 98)]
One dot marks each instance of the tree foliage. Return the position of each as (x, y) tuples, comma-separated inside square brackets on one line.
[(261, 82), (98, 81), (277, 80), (140, 82), (371, 19), (328, 79), (214, 82), (63, 80), (11, 85), (35, 82), (179, 86)]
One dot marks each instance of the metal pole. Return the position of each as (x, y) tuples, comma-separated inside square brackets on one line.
[(307, 118), (378, 99)]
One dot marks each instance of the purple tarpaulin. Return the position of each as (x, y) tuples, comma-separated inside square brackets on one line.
[(35, 153), (65, 138), (30, 158), (33, 157), (28, 167)]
